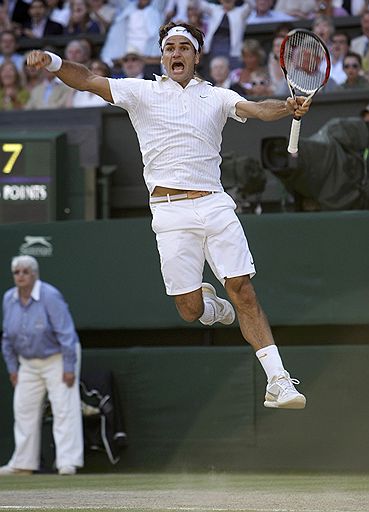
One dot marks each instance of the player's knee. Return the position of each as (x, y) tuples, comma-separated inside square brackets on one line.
[(242, 292)]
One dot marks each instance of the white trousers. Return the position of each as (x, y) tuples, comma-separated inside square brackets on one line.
[(35, 378)]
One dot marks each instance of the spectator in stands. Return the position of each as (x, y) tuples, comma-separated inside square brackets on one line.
[(195, 16), (41, 351), (85, 99), (77, 51), (282, 29), (5, 23), (323, 26), (59, 11), (357, 7), (50, 93), (353, 68), (264, 13), (8, 49), (100, 68), (13, 95), (219, 72), (260, 84), (300, 9), (360, 44), (275, 72), (89, 46), (176, 10), (253, 57), (103, 13), (133, 65), (32, 76), (136, 26), (40, 25), (339, 48), (225, 29), (80, 21), (328, 8), (18, 13)]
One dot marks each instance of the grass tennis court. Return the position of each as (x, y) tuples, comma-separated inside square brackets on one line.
[(187, 492)]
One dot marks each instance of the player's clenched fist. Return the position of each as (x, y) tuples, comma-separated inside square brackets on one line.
[(38, 59)]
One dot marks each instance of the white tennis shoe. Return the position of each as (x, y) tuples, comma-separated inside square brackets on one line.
[(10, 471), (282, 394), (224, 311), (67, 470)]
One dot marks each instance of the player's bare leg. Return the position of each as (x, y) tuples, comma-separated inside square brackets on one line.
[(190, 305), (253, 322), (255, 328), (204, 305)]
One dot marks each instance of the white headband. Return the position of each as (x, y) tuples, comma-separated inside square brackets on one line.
[(181, 31)]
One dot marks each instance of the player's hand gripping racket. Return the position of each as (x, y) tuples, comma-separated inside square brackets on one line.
[(306, 65)]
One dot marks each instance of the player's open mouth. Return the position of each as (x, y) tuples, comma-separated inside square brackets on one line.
[(177, 66)]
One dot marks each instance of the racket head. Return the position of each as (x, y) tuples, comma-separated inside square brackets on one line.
[(305, 60)]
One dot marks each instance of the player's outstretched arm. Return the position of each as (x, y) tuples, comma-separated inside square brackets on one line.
[(75, 75), (271, 110)]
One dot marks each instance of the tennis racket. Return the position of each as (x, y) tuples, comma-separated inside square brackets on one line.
[(306, 65)]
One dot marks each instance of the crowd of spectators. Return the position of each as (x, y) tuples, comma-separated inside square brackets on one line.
[(128, 46)]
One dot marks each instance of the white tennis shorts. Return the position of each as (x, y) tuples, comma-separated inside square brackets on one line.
[(193, 231)]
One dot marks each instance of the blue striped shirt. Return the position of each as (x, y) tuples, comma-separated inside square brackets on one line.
[(41, 328)]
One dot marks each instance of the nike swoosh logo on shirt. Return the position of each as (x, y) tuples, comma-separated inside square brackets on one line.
[(203, 96)]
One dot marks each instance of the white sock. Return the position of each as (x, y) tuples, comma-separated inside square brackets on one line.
[(208, 316), (270, 360)]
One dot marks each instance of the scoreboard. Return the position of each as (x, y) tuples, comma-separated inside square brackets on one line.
[(31, 170)]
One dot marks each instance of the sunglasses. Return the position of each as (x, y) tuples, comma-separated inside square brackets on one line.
[(353, 65), (260, 82)]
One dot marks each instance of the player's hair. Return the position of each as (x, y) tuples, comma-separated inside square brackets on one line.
[(197, 33), (25, 262)]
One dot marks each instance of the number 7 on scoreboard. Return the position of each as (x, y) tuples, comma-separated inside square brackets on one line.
[(15, 149)]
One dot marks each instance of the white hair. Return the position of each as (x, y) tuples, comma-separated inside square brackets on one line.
[(219, 60), (25, 262)]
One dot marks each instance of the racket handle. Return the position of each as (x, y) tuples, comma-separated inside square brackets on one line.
[(294, 136)]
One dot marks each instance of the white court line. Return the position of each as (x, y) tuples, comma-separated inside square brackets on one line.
[(185, 509)]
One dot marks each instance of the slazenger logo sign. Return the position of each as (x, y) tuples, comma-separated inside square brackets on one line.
[(36, 246)]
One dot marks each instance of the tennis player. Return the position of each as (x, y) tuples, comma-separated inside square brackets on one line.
[(179, 121)]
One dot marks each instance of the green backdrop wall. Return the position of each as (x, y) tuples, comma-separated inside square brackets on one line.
[(312, 268), (202, 409)]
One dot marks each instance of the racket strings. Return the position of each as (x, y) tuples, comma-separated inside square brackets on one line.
[(306, 62)]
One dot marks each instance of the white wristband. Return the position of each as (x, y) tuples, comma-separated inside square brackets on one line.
[(55, 64)]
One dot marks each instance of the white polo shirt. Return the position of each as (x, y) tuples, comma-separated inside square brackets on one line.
[(179, 129)]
